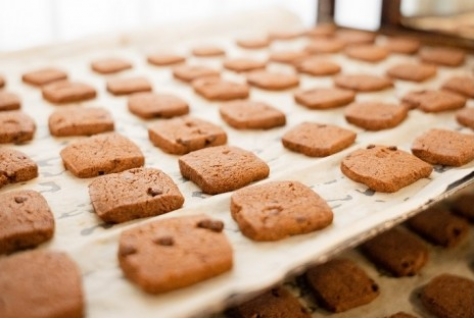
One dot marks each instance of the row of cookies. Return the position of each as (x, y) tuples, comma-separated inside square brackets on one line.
[(340, 284)]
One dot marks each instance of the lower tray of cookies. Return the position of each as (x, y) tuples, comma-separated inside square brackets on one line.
[(177, 171)]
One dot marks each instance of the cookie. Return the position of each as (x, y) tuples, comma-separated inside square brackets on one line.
[(463, 206), (165, 59), (44, 76), (110, 65), (324, 98), (375, 116), (284, 34), (439, 226), (384, 169), (431, 101), (276, 210), (253, 42), (16, 127), (67, 92), (16, 167), (317, 140), (134, 193), (322, 30), (208, 51), (402, 45), (340, 285), (466, 117), (401, 314), (463, 85), (444, 147), (449, 296), (148, 105), (173, 253), (415, 72), (275, 303), (352, 37), (367, 53), (273, 81), (399, 252), (189, 73), (185, 134), (101, 154), (222, 169), (123, 86), (288, 57), (318, 67), (362, 82), (80, 121), (26, 221), (9, 101), (450, 57), (217, 89), (40, 284), (245, 114), (325, 45), (243, 64)]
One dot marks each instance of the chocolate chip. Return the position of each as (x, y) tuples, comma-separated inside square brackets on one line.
[(214, 225), (20, 199), (164, 241), (392, 148), (126, 250), (370, 146), (154, 191)]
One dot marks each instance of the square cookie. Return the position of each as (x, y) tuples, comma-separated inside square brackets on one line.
[(273, 81), (463, 85), (244, 64), (16, 127), (185, 134), (41, 284), (288, 56), (247, 114), (68, 92), (134, 193), (275, 210), (15, 167), (434, 101), (466, 117), (149, 105), (173, 253), (26, 221), (444, 147), (318, 67), (317, 140), (275, 303), (375, 116), (110, 65), (253, 43), (415, 72), (222, 169), (439, 226), (80, 121), (402, 45), (165, 59), (397, 251), (324, 98), (340, 285), (355, 37), (325, 45), (217, 89), (101, 154), (367, 53), (362, 82), (450, 57), (449, 296), (205, 51), (9, 101), (44, 76), (189, 73), (384, 169), (124, 86)]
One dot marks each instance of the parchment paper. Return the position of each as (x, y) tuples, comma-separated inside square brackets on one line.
[(359, 212)]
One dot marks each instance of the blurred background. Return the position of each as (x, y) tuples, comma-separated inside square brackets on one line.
[(29, 23)]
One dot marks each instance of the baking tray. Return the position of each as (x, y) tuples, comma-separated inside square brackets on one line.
[(359, 212)]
